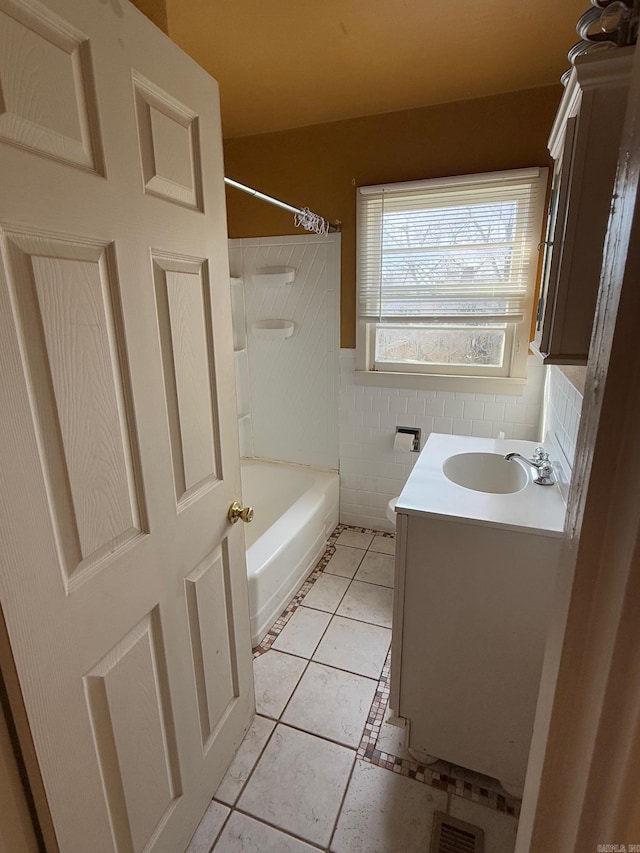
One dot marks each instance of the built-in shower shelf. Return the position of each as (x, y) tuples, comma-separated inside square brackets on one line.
[(235, 279), (272, 329), (274, 276), (244, 417), (239, 350)]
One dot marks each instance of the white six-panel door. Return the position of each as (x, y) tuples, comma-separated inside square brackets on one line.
[(122, 584)]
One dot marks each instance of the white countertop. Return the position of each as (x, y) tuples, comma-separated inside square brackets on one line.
[(428, 492)]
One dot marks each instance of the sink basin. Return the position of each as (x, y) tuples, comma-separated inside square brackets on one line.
[(485, 472)]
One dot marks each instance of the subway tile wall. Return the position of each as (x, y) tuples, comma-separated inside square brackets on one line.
[(563, 407), (371, 472)]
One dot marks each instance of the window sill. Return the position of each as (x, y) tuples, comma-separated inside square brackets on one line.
[(423, 382)]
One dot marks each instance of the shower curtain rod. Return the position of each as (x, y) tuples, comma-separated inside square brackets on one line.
[(303, 216)]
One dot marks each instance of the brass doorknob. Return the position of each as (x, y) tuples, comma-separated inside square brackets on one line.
[(236, 512)]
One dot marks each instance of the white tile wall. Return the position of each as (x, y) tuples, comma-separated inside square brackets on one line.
[(293, 383), (371, 472), (563, 406)]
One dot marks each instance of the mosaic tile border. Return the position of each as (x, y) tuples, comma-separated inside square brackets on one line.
[(434, 775), (270, 637)]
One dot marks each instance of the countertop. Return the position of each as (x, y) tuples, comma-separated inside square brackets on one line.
[(428, 492)]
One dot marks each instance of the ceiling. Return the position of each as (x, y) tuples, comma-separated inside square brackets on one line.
[(289, 63)]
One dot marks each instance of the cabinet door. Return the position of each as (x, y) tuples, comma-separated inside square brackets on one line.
[(556, 226), (597, 98)]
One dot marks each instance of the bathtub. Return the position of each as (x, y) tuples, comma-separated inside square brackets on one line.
[(296, 509)]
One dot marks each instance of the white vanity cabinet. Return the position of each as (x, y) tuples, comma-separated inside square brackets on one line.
[(474, 583), (584, 144)]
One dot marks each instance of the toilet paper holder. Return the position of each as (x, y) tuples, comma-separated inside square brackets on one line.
[(416, 432)]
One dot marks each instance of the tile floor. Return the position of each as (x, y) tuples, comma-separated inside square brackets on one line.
[(321, 767)]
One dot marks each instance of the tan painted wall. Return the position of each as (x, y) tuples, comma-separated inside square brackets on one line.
[(155, 10), (283, 64), (321, 166)]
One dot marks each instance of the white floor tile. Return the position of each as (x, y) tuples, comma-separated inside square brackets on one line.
[(392, 740), (500, 829), (368, 602), (383, 544), (302, 633), (298, 784), (354, 539), (331, 703), (386, 813), (345, 561), (208, 829), (326, 593), (244, 760), (376, 568), (354, 646), (243, 834), (275, 675)]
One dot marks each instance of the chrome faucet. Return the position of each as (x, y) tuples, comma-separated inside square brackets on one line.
[(540, 463)]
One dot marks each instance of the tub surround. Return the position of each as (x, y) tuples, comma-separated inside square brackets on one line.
[(288, 386), (287, 409)]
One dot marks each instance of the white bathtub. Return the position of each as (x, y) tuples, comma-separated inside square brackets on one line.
[(296, 509)]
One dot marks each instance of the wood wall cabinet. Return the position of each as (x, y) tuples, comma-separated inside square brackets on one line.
[(584, 144)]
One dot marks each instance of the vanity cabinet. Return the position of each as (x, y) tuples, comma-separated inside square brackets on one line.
[(475, 575), (584, 145), (476, 605)]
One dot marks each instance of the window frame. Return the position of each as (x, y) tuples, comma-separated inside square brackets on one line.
[(491, 371), (509, 377)]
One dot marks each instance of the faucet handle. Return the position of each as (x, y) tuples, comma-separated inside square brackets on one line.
[(540, 454), (545, 473)]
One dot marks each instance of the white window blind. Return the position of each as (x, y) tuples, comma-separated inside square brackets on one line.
[(449, 249)]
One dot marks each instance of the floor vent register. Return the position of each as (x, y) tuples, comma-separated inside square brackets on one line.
[(451, 835)]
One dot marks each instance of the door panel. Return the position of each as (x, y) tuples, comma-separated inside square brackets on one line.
[(46, 90), (122, 583), (184, 319), (215, 662), (135, 740), (66, 307), (168, 137)]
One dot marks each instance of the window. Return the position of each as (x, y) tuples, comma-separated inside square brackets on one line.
[(446, 274)]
